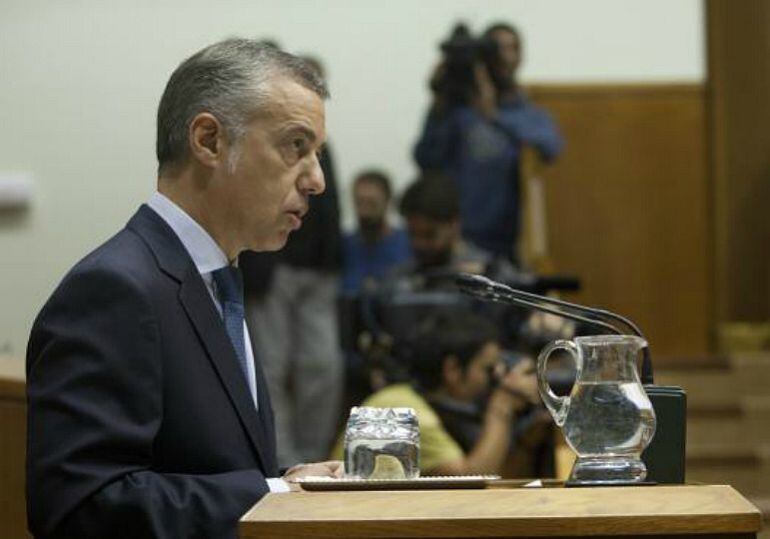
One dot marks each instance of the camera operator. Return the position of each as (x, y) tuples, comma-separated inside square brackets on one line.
[(455, 362), (430, 207), (476, 127)]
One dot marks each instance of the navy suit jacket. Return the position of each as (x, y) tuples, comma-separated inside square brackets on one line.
[(140, 422)]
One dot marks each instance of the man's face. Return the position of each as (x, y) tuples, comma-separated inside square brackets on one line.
[(371, 204), (475, 381), (509, 48), (276, 167), (432, 241)]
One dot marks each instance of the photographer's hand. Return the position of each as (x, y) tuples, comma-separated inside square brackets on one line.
[(485, 98), (521, 384), (517, 388)]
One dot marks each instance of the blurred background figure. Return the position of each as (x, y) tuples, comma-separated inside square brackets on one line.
[(372, 250), (370, 253), (292, 310), (475, 130), (423, 285), (426, 284), (467, 401), (431, 207)]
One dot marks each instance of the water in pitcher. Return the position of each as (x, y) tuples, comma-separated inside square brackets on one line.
[(608, 418)]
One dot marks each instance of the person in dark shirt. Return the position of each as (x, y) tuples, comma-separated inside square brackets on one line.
[(370, 252), (479, 145), (431, 208)]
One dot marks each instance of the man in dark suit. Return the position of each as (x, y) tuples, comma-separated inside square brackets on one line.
[(149, 415)]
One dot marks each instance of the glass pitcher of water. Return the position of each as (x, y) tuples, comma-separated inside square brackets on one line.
[(607, 418)]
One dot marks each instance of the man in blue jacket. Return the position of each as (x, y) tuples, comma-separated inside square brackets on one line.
[(478, 143), (149, 415)]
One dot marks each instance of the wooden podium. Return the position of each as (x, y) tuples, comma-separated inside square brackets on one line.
[(664, 511)]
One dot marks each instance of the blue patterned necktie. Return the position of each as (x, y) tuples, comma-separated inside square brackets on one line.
[(230, 288)]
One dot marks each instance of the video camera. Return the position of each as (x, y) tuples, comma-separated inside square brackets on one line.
[(393, 313), (462, 52)]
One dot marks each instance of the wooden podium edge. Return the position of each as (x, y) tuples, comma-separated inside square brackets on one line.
[(741, 518)]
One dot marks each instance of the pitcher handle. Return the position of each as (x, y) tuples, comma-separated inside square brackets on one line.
[(559, 406)]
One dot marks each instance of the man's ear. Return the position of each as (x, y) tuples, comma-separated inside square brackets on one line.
[(207, 139)]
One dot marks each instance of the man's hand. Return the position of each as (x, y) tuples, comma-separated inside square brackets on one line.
[(521, 380), (330, 468), (554, 326)]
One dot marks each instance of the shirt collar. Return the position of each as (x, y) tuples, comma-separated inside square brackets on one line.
[(204, 251)]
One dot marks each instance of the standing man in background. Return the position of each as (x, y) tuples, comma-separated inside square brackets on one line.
[(477, 140), (149, 415), (376, 247), (296, 330)]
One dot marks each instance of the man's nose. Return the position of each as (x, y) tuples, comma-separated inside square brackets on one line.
[(313, 179)]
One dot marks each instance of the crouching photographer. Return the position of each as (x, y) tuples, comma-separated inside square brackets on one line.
[(476, 127), (469, 405)]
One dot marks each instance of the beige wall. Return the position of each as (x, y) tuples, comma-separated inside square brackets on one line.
[(81, 80)]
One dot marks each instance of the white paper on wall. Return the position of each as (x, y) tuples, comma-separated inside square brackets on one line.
[(16, 189)]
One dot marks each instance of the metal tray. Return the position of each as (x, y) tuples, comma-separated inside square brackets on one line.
[(432, 482)]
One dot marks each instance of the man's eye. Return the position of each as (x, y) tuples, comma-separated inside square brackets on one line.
[(299, 145)]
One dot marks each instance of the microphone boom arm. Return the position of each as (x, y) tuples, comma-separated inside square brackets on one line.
[(512, 298), (485, 288)]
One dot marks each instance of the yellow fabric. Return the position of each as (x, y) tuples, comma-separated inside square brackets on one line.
[(436, 445)]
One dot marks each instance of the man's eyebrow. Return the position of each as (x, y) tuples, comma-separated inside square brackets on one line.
[(309, 133)]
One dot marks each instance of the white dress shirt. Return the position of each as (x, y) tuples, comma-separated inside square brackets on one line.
[(207, 257)]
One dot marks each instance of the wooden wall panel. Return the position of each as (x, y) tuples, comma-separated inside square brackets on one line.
[(629, 206), (739, 87), (13, 519), (13, 438)]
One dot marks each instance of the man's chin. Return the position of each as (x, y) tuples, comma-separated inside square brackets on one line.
[(275, 243)]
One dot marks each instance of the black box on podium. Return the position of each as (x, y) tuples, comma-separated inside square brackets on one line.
[(665, 456)]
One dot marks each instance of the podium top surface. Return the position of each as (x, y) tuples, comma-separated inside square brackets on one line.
[(533, 512)]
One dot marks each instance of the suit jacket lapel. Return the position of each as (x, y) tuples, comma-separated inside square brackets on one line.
[(266, 414), (208, 324), (196, 301)]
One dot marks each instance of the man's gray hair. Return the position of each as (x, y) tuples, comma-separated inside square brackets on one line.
[(229, 80)]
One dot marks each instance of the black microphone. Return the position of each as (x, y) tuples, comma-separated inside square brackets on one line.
[(487, 289)]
